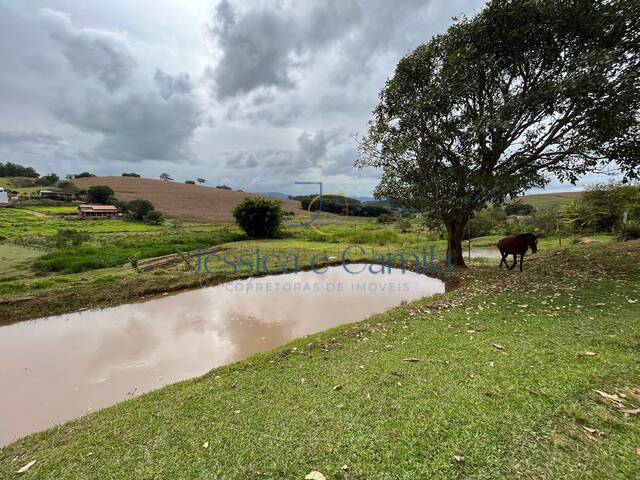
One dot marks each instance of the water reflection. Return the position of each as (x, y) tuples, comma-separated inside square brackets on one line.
[(59, 368)]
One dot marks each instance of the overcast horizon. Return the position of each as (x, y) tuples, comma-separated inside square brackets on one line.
[(252, 94)]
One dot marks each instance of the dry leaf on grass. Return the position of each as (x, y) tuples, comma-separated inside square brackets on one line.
[(592, 433), (27, 466), (615, 399), (411, 359), (589, 354), (458, 458), (498, 346), (631, 411), (314, 475), (205, 445)]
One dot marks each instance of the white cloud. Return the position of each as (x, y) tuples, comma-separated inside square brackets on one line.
[(91, 52)]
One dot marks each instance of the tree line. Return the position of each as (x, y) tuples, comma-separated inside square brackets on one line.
[(610, 208), (341, 205)]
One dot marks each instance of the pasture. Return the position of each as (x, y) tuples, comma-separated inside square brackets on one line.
[(99, 272), (511, 375), (546, 200)]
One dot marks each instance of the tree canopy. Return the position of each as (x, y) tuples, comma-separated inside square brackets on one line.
[(497, 104), (15, 170), (100, 194), (259, 217)]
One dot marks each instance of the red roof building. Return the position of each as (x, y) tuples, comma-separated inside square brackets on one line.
[(94, 212)]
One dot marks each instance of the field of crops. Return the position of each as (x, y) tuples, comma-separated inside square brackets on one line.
[(194, 203)]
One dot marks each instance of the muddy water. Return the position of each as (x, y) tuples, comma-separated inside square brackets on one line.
[(57, 368), (483, 252)]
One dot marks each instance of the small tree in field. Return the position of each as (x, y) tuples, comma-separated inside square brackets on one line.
[(166, 177), (489, 109), (100, 194), (154, 217), (259, 217), (140, 208)]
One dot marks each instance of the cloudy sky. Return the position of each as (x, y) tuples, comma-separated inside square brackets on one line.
[(254, 94)]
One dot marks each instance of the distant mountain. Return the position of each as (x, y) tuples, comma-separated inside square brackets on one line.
[(363, 199), (278, 195)]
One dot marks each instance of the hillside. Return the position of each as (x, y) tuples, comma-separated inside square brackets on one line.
[(193, 203), (543, 200)]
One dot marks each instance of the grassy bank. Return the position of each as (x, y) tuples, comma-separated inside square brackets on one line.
[(499, 379), (53, 281)]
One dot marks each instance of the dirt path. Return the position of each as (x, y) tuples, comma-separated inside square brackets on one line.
[(34, 213)]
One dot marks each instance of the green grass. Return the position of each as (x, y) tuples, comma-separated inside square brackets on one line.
[(15, 260), (8, 185), (502, 380), (54, 210), (5, 183), (113, 242), (16, 222), (117, 252)]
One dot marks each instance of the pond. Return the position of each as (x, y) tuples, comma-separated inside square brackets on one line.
[(58, 368), (483, 252)]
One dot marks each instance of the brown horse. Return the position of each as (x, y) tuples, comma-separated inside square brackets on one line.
[(517, 245)]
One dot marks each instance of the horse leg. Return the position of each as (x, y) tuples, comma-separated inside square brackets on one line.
[(504, 259), (521, 260), (515, 260)]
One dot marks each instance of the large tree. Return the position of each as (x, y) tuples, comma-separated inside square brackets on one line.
[(497, 104)]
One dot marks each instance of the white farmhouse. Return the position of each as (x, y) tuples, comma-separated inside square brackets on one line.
[(4, 198)]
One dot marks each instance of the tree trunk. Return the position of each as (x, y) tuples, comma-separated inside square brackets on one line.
[(455, 233)]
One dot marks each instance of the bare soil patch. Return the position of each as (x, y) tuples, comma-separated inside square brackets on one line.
[(193, 203)]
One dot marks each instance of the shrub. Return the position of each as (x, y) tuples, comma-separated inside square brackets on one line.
[(140, 208), (223, 187), (259, 217), (488, 221), (546, 222), (519, 209), (84, 175), (404, 225), (190, 182), (373, 237), (100, 194), (47, 180), (67, 237), (385, 218), (66, 186), (132, 174), (134, 261), (629, 231), (154, 217), (123, 207)]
